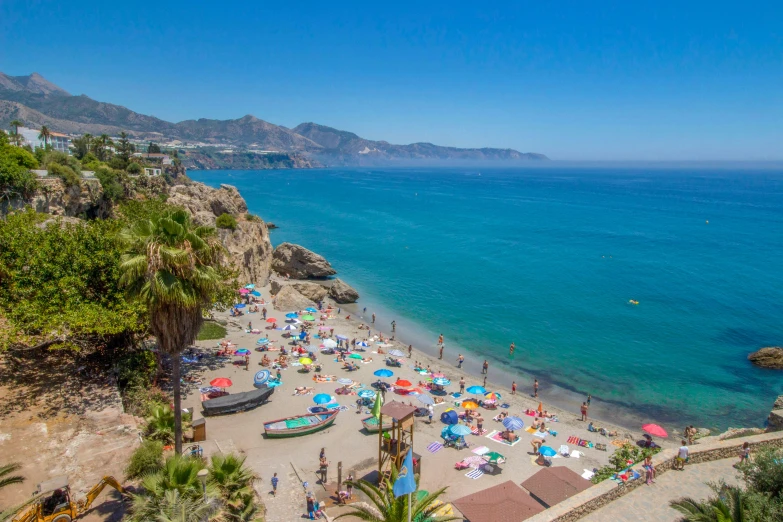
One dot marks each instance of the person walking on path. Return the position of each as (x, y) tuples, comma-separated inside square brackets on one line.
[(744, 454), (682, 456), (460, 360), (275, 480), (514, 388), (650, 469), (323, 465), (462, 384), (410, 351), (584, 411), (511, 349), (535, 388), (485, 367), (373, 318)]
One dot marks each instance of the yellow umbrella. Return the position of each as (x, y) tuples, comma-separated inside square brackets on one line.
[(470, 405), (306, 360)]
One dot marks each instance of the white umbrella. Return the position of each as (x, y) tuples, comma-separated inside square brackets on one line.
[(290, 328), (330, 344), (396, 353)]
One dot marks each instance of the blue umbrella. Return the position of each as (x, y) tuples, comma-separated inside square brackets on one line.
[(292, 315), (425, 399), (342, 337), (261, 377), (263, 340), (440, 381), (255, 294), (322, 398), (366, 394), (547, 451), (242, 351), (250, 287), (513, 423), (362, 344), (383, 373), (302, 335), (311, 310), (240, 305), (459, 430), (477, 390)]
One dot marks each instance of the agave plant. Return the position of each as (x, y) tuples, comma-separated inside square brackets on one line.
[(388, 508), (233, 481)]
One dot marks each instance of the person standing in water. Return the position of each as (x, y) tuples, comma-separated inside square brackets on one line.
[(440, 339), (511, 349), (373, 318), (535, 388)]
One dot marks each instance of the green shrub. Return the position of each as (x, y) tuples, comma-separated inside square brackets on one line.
[(619, 460), (15, 175), (211, 330), (133, 168), (65, 173), (118, 162), (160, 423), (226, 221), (109, 178), (252, 217), (148, 458), (136, 369)]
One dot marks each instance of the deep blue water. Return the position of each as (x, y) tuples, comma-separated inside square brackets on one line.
[(550, 258)]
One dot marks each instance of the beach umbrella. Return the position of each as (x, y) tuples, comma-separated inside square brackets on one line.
[(513, 423), (366, 394), (292, 315), (306, 360), (342, 337), (396, 353), (476, 390), (383, 373), (376, 408), (330, 344), (322, 398), (402, 383), (324, 328), (362, 344), (240, 305), (271, 320), (311, 310), (546, 451), (459, 430), (244, 291), (440, 381), (493, 457), (290, 328), (470, 405), (655, 430), (255, 294), (242, 351), (425, 399), (438, 375), (221, 382), (354, 356), (492, 396), (250, 287), (263, 340), (344, 380), (302, 335), (312, 348), (261, 377), (308, 317)]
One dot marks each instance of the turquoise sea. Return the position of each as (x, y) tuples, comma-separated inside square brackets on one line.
[(549, 258)]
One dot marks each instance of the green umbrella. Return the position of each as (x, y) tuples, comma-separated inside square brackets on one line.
[(355, 356), (308, 318), (494, 457), (376, 408)]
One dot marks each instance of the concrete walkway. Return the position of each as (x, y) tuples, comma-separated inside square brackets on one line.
[(652, 502)]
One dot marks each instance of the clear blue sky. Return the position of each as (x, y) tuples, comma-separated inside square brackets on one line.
[(573, 80)]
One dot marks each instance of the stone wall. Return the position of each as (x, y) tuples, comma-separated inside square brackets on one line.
[(607, 491)]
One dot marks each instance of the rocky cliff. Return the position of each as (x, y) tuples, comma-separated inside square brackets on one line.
[(56, 198)]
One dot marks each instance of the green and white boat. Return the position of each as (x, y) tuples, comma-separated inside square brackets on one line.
[(299, 425), (371, 424)]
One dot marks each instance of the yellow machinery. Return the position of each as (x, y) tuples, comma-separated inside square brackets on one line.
[(54, 502)]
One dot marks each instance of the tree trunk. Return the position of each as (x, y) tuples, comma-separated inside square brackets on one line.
[(177, 404)]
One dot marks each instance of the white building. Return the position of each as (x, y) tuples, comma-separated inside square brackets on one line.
[(57, 141)]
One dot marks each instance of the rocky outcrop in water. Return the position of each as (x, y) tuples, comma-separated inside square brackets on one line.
[(769, 357), (206, 203), (342, 293), (300, 263), (288, 299)]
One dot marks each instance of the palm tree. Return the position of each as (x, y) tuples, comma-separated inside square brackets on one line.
[(44, 135), (388, 508), (160, 423), (16, 137), (233, 481), (728, 507), (6, 470), (176, 508), (171, 265)]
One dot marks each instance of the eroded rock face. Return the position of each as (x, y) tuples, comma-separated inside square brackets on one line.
[(312, 291), (288, 299), (769, 357), (300, 263), (206, 203), (55, 198), (342, 293)]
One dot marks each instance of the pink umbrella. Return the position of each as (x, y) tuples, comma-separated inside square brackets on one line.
[(324, 328), (655, 430), (244, 291)]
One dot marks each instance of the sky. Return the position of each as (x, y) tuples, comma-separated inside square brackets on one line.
[(576, 80)]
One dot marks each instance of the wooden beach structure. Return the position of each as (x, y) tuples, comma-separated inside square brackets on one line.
[(393, 443)]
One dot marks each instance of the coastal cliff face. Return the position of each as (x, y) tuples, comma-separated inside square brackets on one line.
[(56, 198)]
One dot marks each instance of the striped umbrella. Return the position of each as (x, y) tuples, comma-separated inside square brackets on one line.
[(366, 394), (440, 381), (425, 399), (459, 430), (513, 423)]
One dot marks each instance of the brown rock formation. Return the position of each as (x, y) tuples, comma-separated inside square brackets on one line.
[(55, 198), (206, 203), (312, 291), (288, 299), (300, 263), (769, 357), (342, 293)]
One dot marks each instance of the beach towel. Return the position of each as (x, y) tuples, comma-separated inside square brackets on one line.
[(576, 454), (475, 431), (481, 450), (497, 438), (530, 429), (573, 440), (539, 434), (587, 474), (434, 447), (475, 474)]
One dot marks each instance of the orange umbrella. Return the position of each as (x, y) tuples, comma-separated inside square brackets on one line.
[(271, 320), (221, 382), (470, 405), (403, 383), (540, 408)]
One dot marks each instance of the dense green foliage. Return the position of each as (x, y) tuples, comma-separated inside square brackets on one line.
[(765, 473), (211, 330), (153, 148), (63, 166), (618, 461), (134, 168), (233, 483), (15, 164), (252, 217), (148, 458), (226, 221), (110, 182)]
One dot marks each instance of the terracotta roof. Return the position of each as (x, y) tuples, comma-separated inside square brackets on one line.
[(553, 485), (397, 410), (505, 502)]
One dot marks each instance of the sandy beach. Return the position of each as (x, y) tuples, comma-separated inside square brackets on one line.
[(346, 441)]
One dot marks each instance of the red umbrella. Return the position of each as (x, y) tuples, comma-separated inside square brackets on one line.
[(655, 430), (403, 383), (271, 320), (221, 382)]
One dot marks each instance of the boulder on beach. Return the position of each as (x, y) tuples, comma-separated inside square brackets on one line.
[(342, 293), (288, 299), (300, 263), (769, 357), (312, 291)]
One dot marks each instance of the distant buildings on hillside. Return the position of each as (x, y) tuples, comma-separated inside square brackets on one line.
[(57, 140)]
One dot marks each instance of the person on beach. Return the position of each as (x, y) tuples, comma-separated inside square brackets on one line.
[(349, 485), (430, 412), (410, 351), (364, 310), (485, 381), (589, 398), (275, 480), (514, 388), (744, 454), (537, 443), (323, 465), (584, 411), (440, 353), (462, 384), (690, 433), (682, 456), (485, 367), (511, 349), (394, 326), (310, 507), (480, 423), (535, 388), (373, 318), (650, 469), (460, 360)]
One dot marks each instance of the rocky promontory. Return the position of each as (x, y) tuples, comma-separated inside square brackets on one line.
[(297, 262), (769, 357)]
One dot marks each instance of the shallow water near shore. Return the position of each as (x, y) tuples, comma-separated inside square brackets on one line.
[(549, 258)]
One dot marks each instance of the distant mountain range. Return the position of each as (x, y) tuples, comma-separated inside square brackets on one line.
[(36, 101)]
